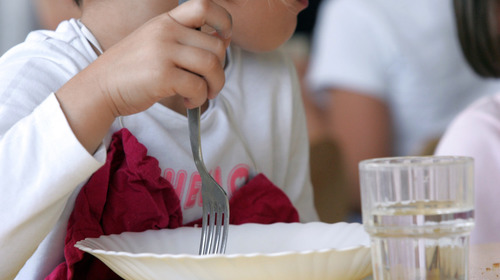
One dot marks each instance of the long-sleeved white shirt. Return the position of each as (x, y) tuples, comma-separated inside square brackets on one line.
[(255, 125), (476, 133)]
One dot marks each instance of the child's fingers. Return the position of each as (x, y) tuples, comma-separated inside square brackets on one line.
[(226, 41), (196, 13), (205, 41), (203, 63), (190, 86)]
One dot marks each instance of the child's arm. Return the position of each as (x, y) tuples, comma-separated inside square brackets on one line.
[(163, 58), (41, 161)]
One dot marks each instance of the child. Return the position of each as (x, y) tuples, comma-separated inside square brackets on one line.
[(138, 65), (475, 131)]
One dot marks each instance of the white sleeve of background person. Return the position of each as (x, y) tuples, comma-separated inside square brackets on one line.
[(350, 49)]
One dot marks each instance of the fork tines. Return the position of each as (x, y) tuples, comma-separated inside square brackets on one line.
[(215, 224)]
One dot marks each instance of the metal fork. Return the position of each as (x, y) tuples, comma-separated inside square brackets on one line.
[(215, 222)]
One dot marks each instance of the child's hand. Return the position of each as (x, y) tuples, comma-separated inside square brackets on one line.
[(165, 57), (168, 56)]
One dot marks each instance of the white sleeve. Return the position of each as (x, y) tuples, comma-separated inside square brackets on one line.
[(41, 161), (476, 133), (349, 48)]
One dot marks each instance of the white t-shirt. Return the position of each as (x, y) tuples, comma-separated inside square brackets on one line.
[(476, 133), (403, 52), (256, 125)]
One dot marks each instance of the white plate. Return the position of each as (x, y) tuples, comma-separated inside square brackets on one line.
[(254, 251)]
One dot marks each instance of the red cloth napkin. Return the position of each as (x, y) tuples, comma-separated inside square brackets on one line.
[(129, 194), (259, 201)]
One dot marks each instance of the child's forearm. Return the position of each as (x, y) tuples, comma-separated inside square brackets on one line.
[(86, 108)]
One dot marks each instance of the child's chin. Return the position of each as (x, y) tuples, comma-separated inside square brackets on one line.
[(259, 47)]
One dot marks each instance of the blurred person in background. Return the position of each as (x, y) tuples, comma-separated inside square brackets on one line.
[(475, 131), (389, 76)]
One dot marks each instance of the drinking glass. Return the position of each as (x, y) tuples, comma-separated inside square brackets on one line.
[(419, 212)]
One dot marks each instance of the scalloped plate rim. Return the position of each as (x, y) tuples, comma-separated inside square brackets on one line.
[(81, 245)]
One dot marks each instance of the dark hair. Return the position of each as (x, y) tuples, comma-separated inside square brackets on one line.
[(78, 2), (477, 25)]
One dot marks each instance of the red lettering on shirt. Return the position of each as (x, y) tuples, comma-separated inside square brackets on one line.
[(238, 177), (190, 192), (193, 191), (179, 182), (217, 175)]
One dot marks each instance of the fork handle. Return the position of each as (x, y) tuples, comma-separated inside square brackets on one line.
[(194, 137)]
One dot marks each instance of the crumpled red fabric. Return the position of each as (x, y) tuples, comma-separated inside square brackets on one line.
[(259, 201), (129, 194)]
